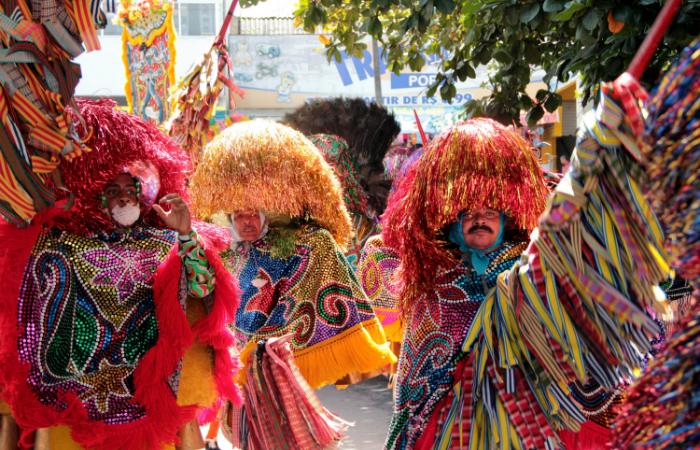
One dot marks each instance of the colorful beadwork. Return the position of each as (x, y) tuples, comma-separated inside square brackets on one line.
[(88, 314), (597, 403), (375, 273), (313, 294), (432, 342)]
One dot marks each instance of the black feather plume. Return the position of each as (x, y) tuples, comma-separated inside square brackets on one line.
[(369, 130)]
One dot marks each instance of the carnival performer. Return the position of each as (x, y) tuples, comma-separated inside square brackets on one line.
[(661, 409), (295, 278), (354, 137), (378, 264), (115, 311), (493, 338)]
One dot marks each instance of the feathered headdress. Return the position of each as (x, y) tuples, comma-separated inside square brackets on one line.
[(266, 165), (475, 164), (369, 130), (120, 143), (335, 151)]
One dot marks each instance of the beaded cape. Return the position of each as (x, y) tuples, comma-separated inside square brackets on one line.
[(88, 314), (94, 331), (375, 272), (432, 343), (314, 295)]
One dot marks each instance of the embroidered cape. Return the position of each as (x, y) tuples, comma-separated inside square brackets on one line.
[(313, 295)]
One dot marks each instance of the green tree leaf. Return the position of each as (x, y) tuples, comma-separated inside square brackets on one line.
[(592, 17), (534, 115), (552, 103), (445, 6), (529, 12), (554, 5), (622, 13), (569, 12), (512, 15)]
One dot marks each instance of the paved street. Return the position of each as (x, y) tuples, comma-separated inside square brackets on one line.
[(368, 404)]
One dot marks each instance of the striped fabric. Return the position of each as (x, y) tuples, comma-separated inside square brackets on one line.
[(38, 83), (84, 20), (281, 411)]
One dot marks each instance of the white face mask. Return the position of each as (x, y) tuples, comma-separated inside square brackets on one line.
[(126, 216)]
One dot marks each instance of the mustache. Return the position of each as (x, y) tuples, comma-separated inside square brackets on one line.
[(476, 228)]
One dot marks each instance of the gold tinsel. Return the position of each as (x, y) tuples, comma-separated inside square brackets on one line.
[(266, 165)]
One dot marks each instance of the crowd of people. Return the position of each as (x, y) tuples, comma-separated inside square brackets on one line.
[(510, 307)]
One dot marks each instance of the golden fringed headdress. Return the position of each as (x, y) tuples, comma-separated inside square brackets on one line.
[(266, 165)]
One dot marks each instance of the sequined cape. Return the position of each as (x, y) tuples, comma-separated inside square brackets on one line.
[(315, 296), (375, 272), (101, 332), (432, 343)]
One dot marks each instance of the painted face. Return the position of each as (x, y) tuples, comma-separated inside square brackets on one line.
[(122, 200), (480, 227), (248, 224)]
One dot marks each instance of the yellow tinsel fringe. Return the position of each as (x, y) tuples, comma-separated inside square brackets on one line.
[(393, 331), (362, 348), (266, 165)]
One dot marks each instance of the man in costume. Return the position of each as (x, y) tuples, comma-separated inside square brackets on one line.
[(294, 279), (114, 312), (492, 338)]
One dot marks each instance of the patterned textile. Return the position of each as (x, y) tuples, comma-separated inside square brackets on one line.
[(38, 77), (148, 52), (433, 338), (87, 309), (199, 273), (365, 228), (93, 331), (282, 411), (315, 296), (375, 273), (597, 403)]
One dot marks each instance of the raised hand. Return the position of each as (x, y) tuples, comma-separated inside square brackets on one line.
[(178, 217)]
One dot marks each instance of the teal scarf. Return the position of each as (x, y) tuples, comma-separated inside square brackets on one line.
[(479, 259)]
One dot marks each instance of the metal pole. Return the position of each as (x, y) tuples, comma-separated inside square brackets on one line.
[(377, 80)]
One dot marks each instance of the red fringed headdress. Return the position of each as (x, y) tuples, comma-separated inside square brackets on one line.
[(474, 164), (118, 140)]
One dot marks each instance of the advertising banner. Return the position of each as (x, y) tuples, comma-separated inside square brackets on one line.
[(288, 71)]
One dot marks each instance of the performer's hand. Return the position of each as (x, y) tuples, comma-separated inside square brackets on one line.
[(178, 218)]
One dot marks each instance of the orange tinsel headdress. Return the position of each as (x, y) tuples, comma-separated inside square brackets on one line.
[(266, 165), (475, 164)]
